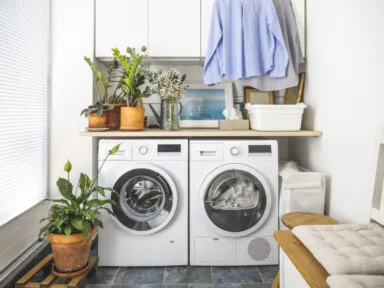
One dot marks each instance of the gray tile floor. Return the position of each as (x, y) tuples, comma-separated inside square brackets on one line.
[(183, 277)]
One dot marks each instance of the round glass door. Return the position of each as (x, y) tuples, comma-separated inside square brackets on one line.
[(236, 201), (144, 201)]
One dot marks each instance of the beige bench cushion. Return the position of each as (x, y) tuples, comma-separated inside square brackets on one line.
[(356, 249), (355, 281)]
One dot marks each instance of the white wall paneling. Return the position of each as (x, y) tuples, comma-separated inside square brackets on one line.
[(344, 94), (72, 31), (206, 15), (174, 28), (121, 24), (299, 8)]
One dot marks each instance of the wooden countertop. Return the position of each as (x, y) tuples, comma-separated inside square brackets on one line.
[(203, 133), (307, 265)]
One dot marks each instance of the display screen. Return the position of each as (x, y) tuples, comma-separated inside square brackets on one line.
[(259, 149), (169, 148)]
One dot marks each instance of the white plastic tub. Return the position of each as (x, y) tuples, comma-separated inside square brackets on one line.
[(276, 117)]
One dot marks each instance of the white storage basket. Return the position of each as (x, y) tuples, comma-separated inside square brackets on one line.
[(276, 117), (301, 190)]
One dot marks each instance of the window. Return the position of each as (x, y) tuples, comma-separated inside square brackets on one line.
[(24, 43)]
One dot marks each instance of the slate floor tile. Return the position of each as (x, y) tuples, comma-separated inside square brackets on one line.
[(215, 286), (151, 286), (96, 286), (187, 275), (103, 275), (268, 273), (142, 275), (257, 285), (241, 275)]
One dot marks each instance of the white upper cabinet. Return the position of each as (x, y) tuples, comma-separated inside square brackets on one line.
[(206, 14), (174, 28), (299, 10), (121, 24)]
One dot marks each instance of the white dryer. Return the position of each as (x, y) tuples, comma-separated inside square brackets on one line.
[(233, 202), (151, 223)]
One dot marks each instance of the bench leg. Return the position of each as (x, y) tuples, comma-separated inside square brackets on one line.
[(276, 283)]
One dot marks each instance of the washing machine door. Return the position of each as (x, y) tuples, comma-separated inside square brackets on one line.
[(235, 200), (146, 200)]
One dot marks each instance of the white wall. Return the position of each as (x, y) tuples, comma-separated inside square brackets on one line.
[(345, 51), (72, 38)]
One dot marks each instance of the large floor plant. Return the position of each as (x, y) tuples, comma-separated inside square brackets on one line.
[(73, 219)]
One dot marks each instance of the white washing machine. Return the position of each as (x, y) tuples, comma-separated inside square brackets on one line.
[(233, 202), (151, 223)]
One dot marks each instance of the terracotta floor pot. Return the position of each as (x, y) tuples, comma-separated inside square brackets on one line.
[(70, 253), (95, 121), (113, 116), (132, 119)]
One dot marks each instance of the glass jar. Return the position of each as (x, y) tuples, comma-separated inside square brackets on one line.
[(170, 112)]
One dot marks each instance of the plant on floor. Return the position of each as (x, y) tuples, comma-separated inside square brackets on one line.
[(77, 212)]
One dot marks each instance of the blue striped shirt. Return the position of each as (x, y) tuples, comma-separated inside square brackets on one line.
[(245, 41)]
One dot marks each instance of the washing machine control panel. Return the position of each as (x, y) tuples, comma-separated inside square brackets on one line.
[(234, 151), (168, 148), (143, 150)]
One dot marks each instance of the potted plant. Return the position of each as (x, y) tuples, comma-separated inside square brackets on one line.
[(133, 84), (72, 221), (105, 113), (170, 86)]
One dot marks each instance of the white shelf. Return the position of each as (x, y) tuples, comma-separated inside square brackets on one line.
[(203, 133)]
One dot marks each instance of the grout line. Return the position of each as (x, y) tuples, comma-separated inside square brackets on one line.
[(114, 278), (261, 277), (165, 267), (213, 281)]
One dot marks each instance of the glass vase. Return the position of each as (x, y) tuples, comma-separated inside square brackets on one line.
[(170, 112)]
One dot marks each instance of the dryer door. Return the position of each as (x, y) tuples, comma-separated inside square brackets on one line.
[(235, 200), (146, 200)]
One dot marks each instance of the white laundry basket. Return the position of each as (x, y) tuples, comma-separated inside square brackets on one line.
[(301, 190), (276, 117)]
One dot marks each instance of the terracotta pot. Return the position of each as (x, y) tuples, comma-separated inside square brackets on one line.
[(132, 119), (70, 253), (113, 116), (95, 121)]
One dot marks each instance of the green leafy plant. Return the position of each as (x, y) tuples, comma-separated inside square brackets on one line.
[(134, 75), (104, 83), (77, 211)]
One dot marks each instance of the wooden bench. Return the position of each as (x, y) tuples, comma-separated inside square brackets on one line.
[(311, 270), (49, 280)]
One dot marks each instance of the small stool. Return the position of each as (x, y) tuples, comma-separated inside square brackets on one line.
[(293, 219)]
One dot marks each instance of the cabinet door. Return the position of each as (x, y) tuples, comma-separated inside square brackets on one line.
[(174, 28), (299, 10), (121, 24), (206, 14)]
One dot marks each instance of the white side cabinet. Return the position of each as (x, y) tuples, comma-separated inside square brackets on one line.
[(299, 8), (206, 15), (121, 24), (174, 28)]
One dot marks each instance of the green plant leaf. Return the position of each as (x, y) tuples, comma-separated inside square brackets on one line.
[(106, 209), (114, 149), (84, 182), (62, 201), (45, 228), (94, 203), (68, 231), (86, 230), (65, 188), (99, 223), (100, 190), (78, 224), (68, 166)]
